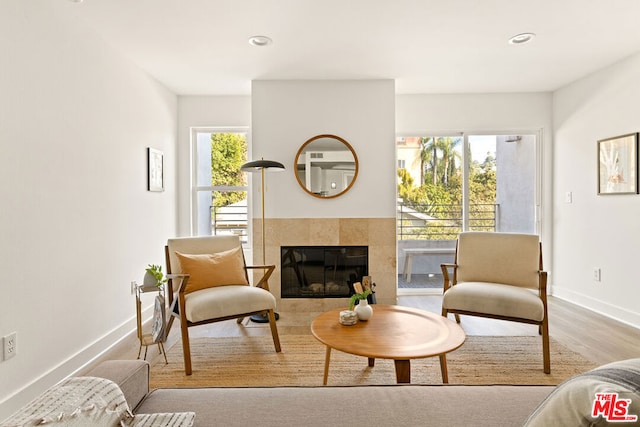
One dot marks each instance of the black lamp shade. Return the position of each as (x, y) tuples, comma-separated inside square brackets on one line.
[(257, 165)]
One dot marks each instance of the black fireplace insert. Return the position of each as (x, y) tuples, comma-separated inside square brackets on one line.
[(322, 271)]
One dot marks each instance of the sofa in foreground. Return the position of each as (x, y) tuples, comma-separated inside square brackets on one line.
[(131, 403)]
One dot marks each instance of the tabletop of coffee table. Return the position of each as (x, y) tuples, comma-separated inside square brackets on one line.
[(393, 332)]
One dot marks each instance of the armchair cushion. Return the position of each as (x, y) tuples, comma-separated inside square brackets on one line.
[(225, 301), (210, 270), (495, 299)]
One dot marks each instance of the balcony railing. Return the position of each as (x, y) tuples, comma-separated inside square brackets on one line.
[(230, 219), (442, 222), (415, 222)]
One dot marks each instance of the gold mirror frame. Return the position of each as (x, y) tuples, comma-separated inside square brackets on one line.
[(302, 151)]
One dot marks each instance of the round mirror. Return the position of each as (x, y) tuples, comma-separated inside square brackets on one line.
[(326, 166)]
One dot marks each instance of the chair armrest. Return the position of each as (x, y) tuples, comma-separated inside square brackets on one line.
[(263, 282), (445, 275), (182, 281), (261, 266), (177, 276)]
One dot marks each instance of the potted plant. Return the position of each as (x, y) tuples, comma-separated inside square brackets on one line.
[(358, 297), (153, 278), (363, 310)]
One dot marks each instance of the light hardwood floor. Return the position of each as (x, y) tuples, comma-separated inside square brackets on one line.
[(596, 337)]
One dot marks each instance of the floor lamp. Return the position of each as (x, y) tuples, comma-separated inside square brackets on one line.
[(255, 166)]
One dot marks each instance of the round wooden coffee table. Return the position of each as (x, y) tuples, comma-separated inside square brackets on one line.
[(393, 332)]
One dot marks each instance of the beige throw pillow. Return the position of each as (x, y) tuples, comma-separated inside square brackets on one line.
[(210, 270)]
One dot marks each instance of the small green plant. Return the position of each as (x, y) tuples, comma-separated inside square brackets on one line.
[(156, 272), (357, 297)]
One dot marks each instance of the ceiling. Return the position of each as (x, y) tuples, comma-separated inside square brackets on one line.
[(200, 47)]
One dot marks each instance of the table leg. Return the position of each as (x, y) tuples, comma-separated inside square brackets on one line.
[(326, 366), (443, 369), (372, 362), (403, 371)]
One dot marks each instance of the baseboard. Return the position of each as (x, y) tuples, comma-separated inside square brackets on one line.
[(74, 365), (611, 311)]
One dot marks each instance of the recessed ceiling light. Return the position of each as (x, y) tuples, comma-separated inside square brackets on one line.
[(521, 38), (260, 41), (76, 1)]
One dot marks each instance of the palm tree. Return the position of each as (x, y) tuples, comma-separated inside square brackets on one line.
[(428, 155), (448, 147)]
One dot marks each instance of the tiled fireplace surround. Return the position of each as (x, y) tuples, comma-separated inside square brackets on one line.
[(376, 233)]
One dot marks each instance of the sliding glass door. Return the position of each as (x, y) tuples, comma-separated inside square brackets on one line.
[(451, 183)]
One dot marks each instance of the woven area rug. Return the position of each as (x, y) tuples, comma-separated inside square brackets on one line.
[(253, 362)]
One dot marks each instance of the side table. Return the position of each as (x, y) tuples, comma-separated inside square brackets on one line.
[(158, 332)]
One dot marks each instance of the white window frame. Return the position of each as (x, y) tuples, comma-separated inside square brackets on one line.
[(196, 189)]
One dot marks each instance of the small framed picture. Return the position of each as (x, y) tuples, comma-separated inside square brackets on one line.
[(155, 168), (618, 165)]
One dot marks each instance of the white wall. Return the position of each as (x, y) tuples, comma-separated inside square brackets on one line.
[(482, 113), (203, 111), (596, 231), (76, 221), (287, 113)]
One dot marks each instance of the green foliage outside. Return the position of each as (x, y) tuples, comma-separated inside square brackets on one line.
[(439, 195), (228, 153)]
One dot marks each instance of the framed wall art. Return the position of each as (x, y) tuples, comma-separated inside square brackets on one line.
[(618, 165), (155, 170)]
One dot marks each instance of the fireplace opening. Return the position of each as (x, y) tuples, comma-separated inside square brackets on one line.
[(322, 271)]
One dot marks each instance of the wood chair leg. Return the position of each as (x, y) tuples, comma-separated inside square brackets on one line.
[(274, 330), (445, 313), (546, 352), (186, 350)]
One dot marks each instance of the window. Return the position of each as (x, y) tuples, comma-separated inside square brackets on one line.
[(454, 183), (220, 190), (460, 182)]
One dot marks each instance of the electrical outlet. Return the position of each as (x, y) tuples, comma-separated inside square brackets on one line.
[(10, 345), (134, 285), (596, 274)]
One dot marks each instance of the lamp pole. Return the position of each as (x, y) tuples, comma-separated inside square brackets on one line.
[(254, 166), (264, 262)]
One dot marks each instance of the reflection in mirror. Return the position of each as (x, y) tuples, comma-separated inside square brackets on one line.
[(326, 166)]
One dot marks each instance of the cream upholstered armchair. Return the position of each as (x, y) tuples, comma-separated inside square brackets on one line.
[(500, 276), (208, 282)]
